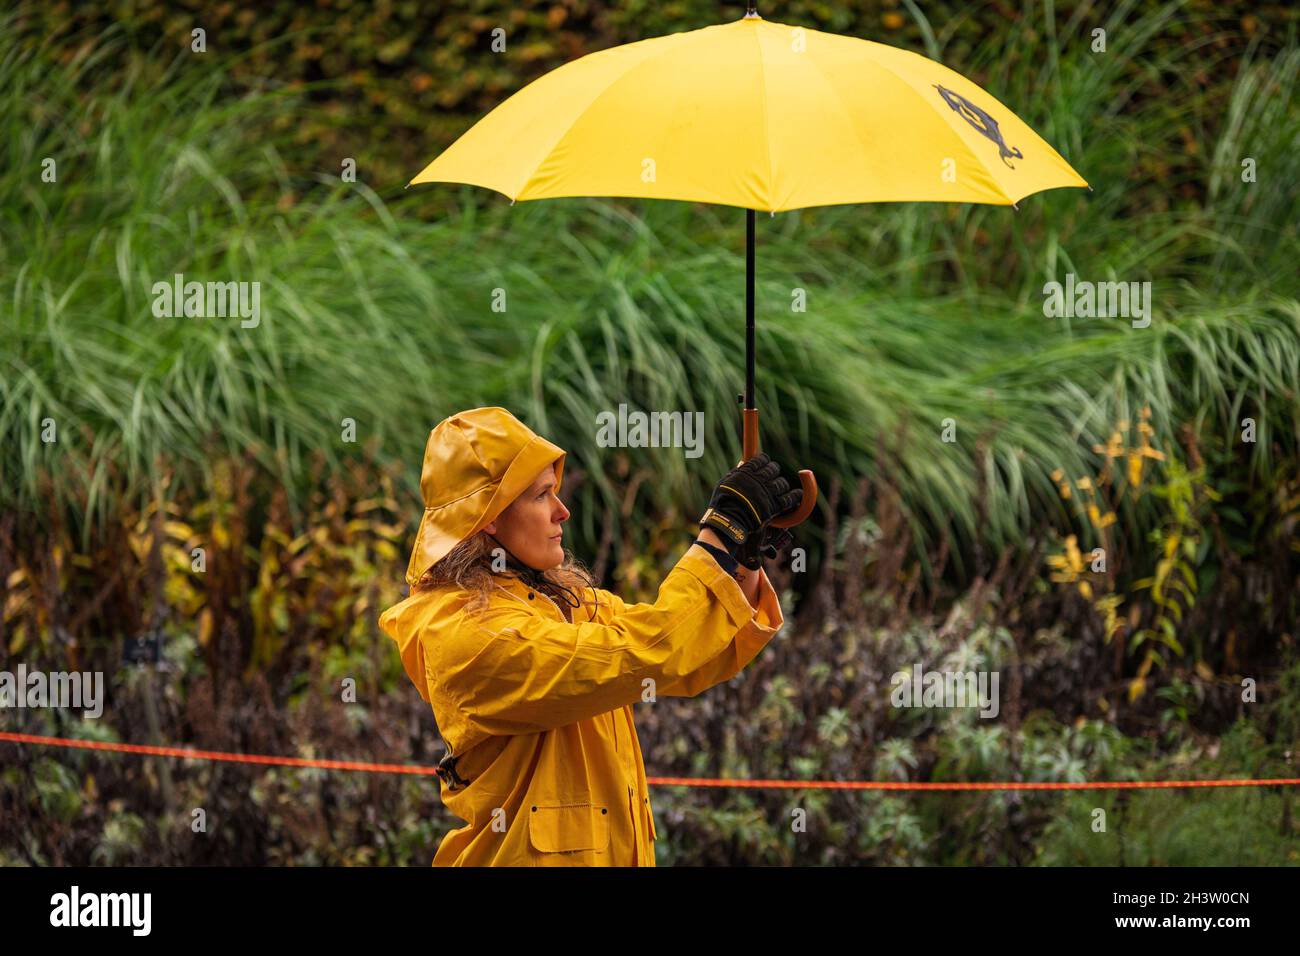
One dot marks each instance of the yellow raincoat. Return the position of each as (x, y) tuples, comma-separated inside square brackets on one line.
[(538, 710)]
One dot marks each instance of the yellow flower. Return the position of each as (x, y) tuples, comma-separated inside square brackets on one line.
[(1072, 552), (1135, 468), (1135, 688), (1069, 565), (1114, 446), (1099, 520)]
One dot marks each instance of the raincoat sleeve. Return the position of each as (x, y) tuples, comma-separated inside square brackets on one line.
[(744, 646), (510, 670)]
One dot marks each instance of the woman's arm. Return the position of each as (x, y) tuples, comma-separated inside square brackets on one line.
[(514, 671), (747, 579), (744, 647)]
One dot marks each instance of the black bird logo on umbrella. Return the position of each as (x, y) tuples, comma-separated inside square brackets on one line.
[(981, 121)]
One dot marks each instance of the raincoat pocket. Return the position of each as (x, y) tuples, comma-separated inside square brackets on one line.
[(563, 828)]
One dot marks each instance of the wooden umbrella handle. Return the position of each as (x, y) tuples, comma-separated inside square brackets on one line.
[(806, 478)]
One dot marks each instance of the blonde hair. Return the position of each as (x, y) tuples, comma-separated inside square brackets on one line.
[(469, 566)]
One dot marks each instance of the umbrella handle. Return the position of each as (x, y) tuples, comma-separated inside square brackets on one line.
[(806, 478)]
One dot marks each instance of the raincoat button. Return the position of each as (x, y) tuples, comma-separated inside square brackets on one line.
[(604, 810), (530, 595), (534, 809)]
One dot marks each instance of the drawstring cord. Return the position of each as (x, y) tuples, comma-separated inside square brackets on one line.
[(535, 579)]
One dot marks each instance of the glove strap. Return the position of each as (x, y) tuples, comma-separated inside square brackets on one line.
[(728, 563), (713, 518)]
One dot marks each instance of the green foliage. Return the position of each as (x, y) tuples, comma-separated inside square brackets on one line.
[(1189, 827), (606, 305)]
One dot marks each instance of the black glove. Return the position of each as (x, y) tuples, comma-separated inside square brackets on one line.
[(744, 501), (768, 545)]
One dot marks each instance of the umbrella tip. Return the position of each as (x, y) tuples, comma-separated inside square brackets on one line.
[(1015, 207)]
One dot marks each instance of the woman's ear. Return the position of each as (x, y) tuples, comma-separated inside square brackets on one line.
[(491, 527)]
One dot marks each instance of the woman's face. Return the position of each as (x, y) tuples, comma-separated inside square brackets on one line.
[(530, 525)]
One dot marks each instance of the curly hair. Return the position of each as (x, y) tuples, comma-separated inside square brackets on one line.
[(469, 566)]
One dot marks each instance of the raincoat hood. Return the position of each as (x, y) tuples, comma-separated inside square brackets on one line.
[(476, 463)]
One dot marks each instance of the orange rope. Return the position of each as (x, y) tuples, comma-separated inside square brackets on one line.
[(364, 767), (188, 754)]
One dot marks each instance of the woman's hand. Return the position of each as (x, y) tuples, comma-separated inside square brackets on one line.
[(744, 502)]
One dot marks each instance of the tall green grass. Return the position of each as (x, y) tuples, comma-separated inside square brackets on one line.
[(377, 303)]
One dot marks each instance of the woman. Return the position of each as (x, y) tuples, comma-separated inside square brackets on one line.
[(532, 671)]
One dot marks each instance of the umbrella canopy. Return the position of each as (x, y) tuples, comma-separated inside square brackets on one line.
[(755, 114), (761, 115)]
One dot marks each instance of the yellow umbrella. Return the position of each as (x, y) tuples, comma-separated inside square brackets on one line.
[(760, 115)]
